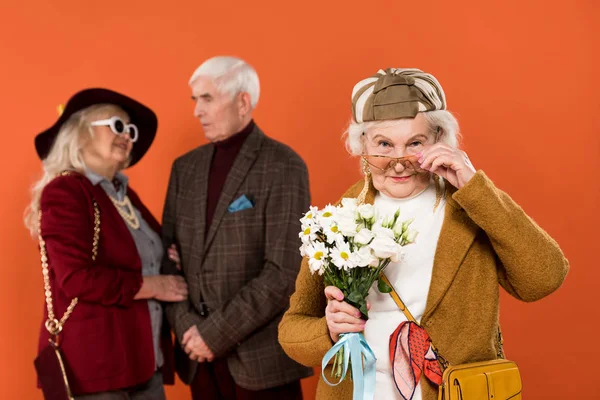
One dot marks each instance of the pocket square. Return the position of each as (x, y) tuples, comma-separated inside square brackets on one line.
[(239, 204)]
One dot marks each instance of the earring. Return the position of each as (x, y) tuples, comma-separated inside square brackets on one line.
[(365, 167), (367, 173), (438, 191)]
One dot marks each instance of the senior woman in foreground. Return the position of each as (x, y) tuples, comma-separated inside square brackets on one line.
[(472, 238)]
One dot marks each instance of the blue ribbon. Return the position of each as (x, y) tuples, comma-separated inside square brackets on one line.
[(355, 348)]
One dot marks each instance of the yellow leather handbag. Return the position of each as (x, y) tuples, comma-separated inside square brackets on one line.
[(486, 380), (489, 380)]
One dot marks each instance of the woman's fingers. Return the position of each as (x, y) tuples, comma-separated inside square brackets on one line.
[(346, 328), (333, 293), (443, 161), (335, 306), (430, 157), (341, 318), (174, 256), (177, 284)]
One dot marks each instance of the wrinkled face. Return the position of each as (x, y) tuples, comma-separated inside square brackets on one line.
[(398, 138), (104, 147), (221, 115)]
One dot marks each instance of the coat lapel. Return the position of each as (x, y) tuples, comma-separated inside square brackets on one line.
[(240, 168), (456, 237), (200, 192)]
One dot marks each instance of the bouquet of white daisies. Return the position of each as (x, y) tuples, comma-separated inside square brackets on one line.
[(350, 246)]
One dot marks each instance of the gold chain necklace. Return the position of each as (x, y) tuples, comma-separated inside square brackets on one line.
[(126, 210)]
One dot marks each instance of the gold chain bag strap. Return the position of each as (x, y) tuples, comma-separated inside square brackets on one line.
[(49, 364), (486, 380)]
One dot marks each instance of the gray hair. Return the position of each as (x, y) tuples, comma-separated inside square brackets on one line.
[(231, 75), (438, 119)]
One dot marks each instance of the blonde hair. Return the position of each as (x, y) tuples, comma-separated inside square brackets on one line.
[(65, 155)]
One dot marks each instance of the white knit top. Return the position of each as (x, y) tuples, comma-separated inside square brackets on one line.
[(410, 277)]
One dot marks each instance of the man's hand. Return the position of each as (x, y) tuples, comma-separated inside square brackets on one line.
[(195, 347)]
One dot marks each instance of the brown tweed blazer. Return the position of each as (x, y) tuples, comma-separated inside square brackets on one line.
[(244, 271), (486, 240)]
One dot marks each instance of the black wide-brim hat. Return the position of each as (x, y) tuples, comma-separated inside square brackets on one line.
[(140, 115)]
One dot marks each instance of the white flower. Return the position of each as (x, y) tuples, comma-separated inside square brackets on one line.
[(364, 257), (333, 233), (364, 236), (341, 256), (398, 228), (386, 247), (326, 216), (366, 211), (407, 223), (308, 234), (346, 222), (309, 217), (411, 236), (387, 221), (381, 231), (317, 254), (303, 250), (348, 227), (349, 203)]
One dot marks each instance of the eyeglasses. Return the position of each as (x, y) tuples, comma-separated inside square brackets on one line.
[(119, 127), (385, 163)]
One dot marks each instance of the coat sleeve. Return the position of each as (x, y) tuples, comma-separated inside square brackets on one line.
[(181, 315), (530, 263), (303, 332), (67, 227), (267, 295)]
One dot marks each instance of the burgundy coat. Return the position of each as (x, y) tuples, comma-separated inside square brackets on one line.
[(107, 341)]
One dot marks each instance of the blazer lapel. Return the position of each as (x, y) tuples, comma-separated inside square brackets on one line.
[(200, 192), (240, 168), (456, 237)]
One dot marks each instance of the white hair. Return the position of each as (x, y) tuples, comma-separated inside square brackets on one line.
[(65, 154), (439, 121), (231, 75)]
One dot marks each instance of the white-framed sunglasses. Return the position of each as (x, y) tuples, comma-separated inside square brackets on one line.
[(119, 127)]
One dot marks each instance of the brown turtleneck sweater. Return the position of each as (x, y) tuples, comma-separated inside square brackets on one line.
[(223, 157)]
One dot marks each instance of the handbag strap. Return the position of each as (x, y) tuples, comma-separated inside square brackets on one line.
[(53, 325), (444, 363), (399, 301)]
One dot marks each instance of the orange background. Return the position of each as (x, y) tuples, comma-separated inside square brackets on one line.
[(522, 78)]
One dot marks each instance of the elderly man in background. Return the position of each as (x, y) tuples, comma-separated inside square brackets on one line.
[(232, 210)]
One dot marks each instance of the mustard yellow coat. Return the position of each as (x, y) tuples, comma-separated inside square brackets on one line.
[(486, 240)]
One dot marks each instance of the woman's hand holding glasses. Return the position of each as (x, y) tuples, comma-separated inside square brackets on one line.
[(449, 163)]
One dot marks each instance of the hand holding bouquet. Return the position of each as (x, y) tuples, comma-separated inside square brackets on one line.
[(350, 246)]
